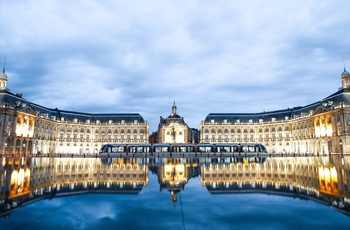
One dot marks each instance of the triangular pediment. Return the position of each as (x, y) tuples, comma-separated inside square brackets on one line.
[(320, 110), (28, 110)]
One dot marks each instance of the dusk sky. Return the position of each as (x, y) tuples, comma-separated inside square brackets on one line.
[(208, 56)]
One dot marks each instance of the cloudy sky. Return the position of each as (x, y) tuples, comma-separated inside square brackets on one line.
[(207, 56)]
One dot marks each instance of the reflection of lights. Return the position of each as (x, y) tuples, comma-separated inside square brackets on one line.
[(328, 179), (334, 174), (321, 173), (291, 187), (277, 186)]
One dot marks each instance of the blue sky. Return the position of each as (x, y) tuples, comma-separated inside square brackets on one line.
[(141, 56)]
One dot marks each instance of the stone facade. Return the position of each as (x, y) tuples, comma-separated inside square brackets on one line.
[(28, 128), (319, 128), (173, 129)]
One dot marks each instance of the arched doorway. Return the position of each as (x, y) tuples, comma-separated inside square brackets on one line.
[(330, 147), (24, 147), (18, 147), (30, 147)]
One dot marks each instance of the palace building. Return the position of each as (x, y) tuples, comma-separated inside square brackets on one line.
[(319, 128), (173, 129), (322, 127), (28, 128)]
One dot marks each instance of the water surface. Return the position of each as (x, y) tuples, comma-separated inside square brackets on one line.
[(177, 193)]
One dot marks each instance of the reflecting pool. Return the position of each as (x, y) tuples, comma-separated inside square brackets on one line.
[(175, 193)]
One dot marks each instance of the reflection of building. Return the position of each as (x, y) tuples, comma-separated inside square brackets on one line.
[(320, 128), (15, 179), (17, 173), (174, 174), (26, 127), (50, 176), (173, 129), (75, 174), (322, 179)]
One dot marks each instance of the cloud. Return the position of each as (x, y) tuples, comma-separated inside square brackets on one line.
[(223, 56)]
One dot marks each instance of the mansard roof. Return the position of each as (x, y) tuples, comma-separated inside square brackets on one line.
[(343, 95), (331, 102), (173, 118), (10, 100)]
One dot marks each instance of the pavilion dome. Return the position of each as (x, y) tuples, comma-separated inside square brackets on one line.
[(3, 76), (345, 73)]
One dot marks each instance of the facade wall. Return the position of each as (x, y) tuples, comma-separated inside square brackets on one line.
[(174, 133), (24, 133), (173, 129), (321, 133)]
